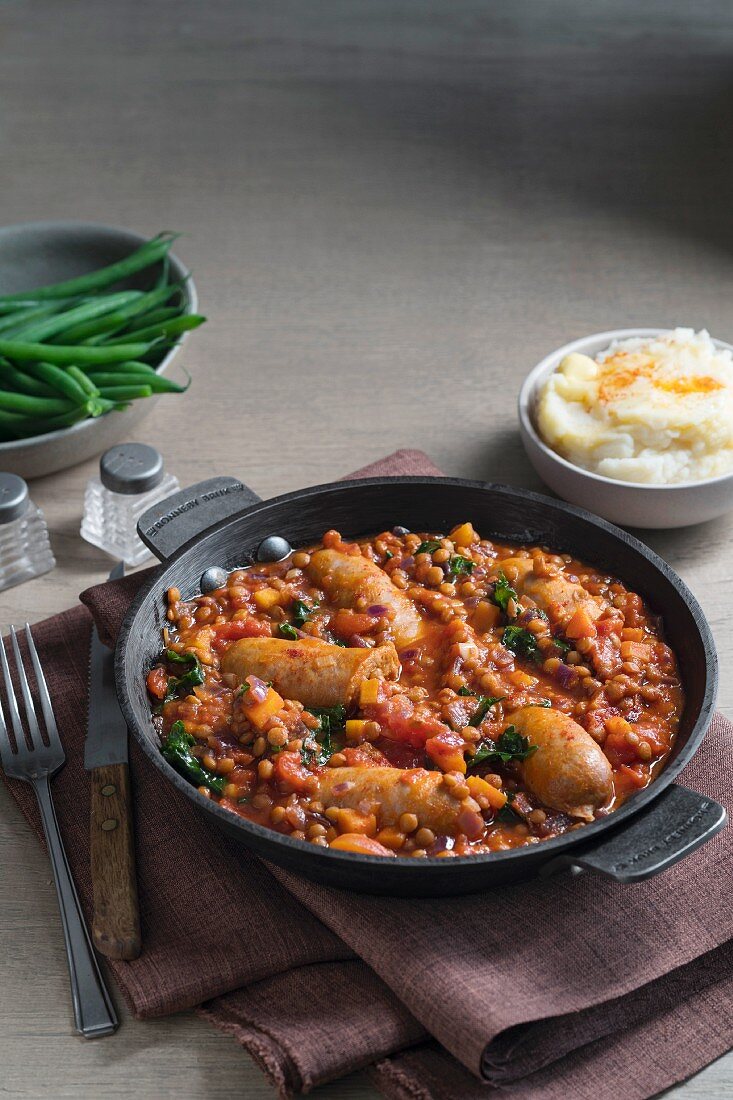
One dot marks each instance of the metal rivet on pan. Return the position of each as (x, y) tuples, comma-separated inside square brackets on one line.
[(400, 530), (274, 548), (109, 824), (212, 578), (108, 789)]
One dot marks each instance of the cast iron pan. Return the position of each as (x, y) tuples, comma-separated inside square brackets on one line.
[(221, 523)]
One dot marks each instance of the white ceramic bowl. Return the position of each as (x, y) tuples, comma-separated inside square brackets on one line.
[(37, 253), (629, 504)]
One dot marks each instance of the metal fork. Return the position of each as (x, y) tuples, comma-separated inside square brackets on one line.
[(36, 762)]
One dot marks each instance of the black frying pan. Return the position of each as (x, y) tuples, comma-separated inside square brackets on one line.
[(221, 523)]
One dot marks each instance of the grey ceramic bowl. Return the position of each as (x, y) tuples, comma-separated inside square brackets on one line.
[(38, 253), (626, 503)]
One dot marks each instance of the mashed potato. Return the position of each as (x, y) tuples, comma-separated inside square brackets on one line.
[(651, 410)]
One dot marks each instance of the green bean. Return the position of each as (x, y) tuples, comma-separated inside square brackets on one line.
[(121, 316), (60, 380), (125, 393), (25, 302), (23, 383), (166, 329), (66, 354), (157, 382), (33, 406), (155, 317), (42, 330), (25, 316), (84, 381), (148, 253)]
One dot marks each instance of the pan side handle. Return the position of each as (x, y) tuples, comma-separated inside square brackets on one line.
[(676, 823), (175, 521)]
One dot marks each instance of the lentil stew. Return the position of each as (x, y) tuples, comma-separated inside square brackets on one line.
[(416, 694)]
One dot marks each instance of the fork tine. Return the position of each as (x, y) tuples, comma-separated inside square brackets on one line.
[(20, 742), (48, 715), (5, 745), (30, 710)]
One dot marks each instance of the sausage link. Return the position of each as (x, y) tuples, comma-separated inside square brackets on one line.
[(391, 792), (568, 772), (312, 671), (346, 578)]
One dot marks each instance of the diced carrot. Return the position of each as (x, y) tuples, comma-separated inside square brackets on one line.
[(485, 616), (348, 820), (617, 725), (464, 535), (391, 838), (479, 787), (368, 692), (258, 713), (346, 623), (446, 750), (522, 679), (632, 634), (363, 845), (157, 683), (355, 728), (581, 625), (639, 651), (266, 598)]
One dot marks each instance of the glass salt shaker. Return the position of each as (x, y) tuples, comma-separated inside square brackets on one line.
[(25, 550), (131, 479)]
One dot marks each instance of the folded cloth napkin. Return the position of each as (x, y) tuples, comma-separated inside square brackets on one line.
[(573, 988)]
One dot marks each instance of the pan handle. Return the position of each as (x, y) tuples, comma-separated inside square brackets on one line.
[(172, 523), (676, 823)]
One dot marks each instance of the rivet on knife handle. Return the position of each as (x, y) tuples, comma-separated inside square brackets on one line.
[(116, 923)]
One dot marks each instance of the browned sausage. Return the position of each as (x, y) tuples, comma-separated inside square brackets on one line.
[(390, 792), (558, 597), (314, 672), (347, 577), (569, 771)]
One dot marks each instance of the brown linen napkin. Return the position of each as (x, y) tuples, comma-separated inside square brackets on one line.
[(583, 958)]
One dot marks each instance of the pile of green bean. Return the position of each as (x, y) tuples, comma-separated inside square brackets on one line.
[(76, 349)]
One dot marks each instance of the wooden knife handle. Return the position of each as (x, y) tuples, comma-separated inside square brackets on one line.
[(116, 923)]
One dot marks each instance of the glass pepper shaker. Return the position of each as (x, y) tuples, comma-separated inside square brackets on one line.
[(25, 550), (131, 479)]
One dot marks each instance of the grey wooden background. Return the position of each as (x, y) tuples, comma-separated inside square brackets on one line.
[(392, 210)]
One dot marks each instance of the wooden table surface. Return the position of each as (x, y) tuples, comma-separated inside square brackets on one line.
[(392, 211)]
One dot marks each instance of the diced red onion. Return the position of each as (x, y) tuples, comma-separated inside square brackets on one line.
[(440, 844), (565, 675), (472, 601), (357, 642), (377, 609), (408, 654), (470, 822), (407, 563), (257, 689)]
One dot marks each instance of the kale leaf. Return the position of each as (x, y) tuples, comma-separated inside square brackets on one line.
[(332, 721), (511, 745), (190, 679), (177, 751), (458, 566), (521, 642), (485, 703), (302, 612), (503, 592)]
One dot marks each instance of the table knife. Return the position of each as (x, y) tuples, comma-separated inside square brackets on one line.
[(116, 922)]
